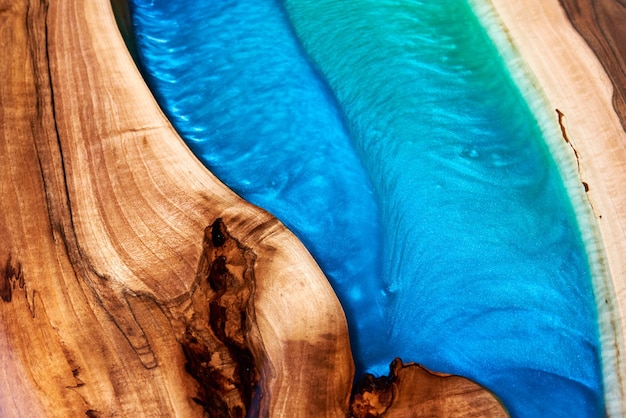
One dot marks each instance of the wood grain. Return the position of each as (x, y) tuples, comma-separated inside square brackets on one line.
[(133, 282), (602, 23), (102, 218)]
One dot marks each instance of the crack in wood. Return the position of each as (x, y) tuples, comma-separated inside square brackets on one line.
[(49, 149), (568, 141)]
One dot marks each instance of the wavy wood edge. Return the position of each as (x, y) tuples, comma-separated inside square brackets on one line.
[(116, 298), (410, 389), (102, 216), (585, 100)]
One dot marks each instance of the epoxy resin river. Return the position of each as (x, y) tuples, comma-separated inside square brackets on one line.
[(390, 138)]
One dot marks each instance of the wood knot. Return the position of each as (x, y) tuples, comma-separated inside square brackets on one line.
[(217, 236), (216, 341)]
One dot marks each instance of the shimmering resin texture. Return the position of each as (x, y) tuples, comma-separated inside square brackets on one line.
[(236, 84), (389, 136)]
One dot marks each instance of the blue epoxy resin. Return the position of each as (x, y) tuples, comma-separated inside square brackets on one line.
[(235, 83), (389, 136)]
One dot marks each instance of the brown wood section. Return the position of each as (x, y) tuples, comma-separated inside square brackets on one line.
[(411, 390), (132, 282), (602, 23)]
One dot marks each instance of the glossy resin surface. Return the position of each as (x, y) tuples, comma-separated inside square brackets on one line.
[(390, 138)]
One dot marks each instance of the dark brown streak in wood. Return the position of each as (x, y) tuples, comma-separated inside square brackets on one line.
[(371, 396), (10, 278), (90, 413), (46, 134), (602, 23), (49, 148)]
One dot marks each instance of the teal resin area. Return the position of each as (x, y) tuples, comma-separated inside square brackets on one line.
[(390, 138)]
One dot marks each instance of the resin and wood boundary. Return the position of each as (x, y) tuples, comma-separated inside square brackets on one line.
[(569, 75), (117, 299)]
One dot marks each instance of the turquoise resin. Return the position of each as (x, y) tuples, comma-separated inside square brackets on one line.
[(480, 269)]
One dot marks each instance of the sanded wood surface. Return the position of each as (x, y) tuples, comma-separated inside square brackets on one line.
[(602, 23), (133, 283)]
